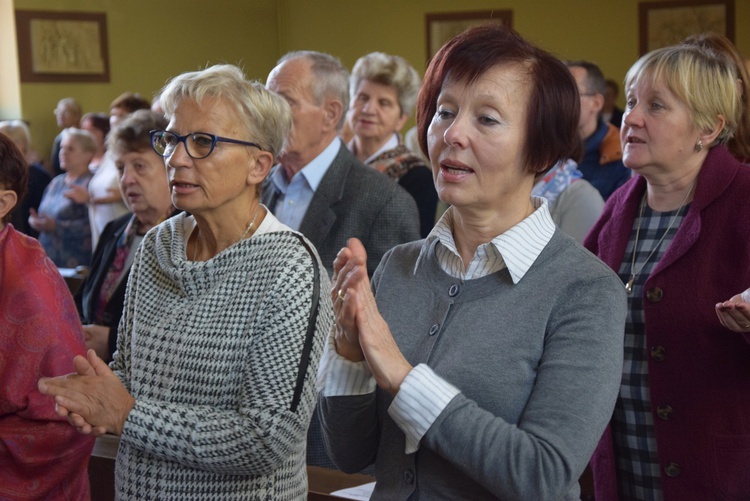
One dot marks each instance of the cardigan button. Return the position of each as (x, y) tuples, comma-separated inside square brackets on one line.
[(672, 469), (664, 411), (434, 329), (454, 290), (409, 477), (658, 353), (654, 295)]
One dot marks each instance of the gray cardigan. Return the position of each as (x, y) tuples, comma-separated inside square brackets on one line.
[(538, 365)]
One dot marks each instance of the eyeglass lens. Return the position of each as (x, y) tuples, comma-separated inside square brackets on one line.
[(198, 145)]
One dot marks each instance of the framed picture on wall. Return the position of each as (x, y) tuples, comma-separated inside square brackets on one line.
[(666, 23), (441, 27), (62, 46)]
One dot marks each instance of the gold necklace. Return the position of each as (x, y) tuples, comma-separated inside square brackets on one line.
[(633, 273), (244, 234)]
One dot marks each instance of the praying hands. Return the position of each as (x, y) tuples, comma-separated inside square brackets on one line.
[(93, 399)]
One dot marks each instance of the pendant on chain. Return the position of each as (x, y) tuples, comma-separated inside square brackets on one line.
[(629, 285)]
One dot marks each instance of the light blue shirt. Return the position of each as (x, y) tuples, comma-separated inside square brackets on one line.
[(295, 196)]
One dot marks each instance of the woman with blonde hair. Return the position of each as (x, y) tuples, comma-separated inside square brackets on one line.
[(213, 383), (680, 427)]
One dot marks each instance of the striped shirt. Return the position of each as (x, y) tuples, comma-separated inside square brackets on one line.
[(423, 395)]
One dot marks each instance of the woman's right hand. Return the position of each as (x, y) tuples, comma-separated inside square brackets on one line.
[(363, 330), (40, 222), (346, 334), (735, 313)]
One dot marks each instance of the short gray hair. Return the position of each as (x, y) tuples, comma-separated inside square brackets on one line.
[(385, 69), (132, 133), (19, 132), (595, 81), (331, 77), (72, 105), (82, 137), (266, 116)]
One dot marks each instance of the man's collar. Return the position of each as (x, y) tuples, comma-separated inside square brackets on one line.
[(313, 172)]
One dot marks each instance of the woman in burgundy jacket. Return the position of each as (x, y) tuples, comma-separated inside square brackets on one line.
[(681, 426)]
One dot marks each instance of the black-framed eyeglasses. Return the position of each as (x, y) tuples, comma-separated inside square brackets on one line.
[(197, 144)]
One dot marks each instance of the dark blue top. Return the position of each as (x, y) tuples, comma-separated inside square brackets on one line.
[(604, 177), (38, 180)]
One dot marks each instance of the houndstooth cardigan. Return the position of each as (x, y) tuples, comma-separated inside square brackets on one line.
[(210, 351)]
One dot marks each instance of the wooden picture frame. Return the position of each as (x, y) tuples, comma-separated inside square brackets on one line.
[(442, 26), (668, 22), (62, 46)]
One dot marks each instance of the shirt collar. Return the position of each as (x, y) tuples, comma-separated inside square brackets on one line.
[(519, 246), (313, 172), (392, 143)]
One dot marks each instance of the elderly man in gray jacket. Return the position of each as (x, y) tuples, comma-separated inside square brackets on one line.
[(319, 188)]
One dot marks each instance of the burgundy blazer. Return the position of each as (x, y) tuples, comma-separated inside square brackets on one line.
[(699, 371)]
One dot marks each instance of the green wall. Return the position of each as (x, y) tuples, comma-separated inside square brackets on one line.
[(151, 41), (603, 31)]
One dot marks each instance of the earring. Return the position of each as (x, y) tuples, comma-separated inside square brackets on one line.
[(698, 146)]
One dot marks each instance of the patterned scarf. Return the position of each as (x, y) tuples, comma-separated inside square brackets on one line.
[(556, 180), (397, 162)]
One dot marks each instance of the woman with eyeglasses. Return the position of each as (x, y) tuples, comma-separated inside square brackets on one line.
[(213, 385)]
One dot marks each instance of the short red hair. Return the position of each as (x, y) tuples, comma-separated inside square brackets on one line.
[(554, 105)]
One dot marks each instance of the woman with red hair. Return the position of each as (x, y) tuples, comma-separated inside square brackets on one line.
[(483, 362)]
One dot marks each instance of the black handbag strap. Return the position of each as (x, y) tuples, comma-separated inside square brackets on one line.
[(310, 335)]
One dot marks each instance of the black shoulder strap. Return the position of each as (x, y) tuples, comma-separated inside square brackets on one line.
[(310, 335)]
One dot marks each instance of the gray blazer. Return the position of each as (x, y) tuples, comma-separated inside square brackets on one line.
[(354, 200)]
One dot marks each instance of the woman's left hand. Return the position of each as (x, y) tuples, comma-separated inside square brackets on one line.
[(113, 195), (78, 194), (735, 313), (93, 399), (386, 362), (97, 339)]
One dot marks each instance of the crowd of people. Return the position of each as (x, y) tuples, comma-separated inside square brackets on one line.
[(271, 282)]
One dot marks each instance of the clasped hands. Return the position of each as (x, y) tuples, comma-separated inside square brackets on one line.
[(360, 332), (92, 399)]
